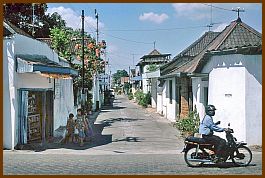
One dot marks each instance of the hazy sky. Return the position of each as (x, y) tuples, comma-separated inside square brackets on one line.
[(130, 29)]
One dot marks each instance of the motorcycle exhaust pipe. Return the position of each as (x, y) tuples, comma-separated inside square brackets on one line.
[(199, 160)]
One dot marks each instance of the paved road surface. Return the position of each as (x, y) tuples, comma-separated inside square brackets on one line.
[(129, 140)]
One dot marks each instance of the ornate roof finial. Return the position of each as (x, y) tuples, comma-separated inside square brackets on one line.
[(238, 10)]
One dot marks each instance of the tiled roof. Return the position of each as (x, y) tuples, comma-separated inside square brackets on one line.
[(200, 44), (154, 52), (235, 36), (190, 52), (154, 57)]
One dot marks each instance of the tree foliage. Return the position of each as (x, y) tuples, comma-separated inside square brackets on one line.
[(68, 43), (152, 67), (117, 76), (21, 15)]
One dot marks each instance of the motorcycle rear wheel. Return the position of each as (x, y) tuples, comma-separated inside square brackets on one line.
[(189, 157), (243, 158)]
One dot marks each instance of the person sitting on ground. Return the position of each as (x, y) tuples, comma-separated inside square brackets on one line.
[(81, 125), (70, 128)]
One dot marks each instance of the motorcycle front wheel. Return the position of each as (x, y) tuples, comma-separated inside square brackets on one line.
[(192, 158), (242, 157)]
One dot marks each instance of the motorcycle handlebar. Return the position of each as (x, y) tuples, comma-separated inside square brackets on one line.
[(229, 130)]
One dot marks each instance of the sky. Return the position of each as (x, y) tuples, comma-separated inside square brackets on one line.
[(130, 29)]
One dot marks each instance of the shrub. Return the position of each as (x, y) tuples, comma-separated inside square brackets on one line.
[(130, 96), (143, 99), (190, 124), (138, 95), (148, 98)]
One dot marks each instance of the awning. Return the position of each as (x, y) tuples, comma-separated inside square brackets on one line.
[(41, 64), (137, 78)]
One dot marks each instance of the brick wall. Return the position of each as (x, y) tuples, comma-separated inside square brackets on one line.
[(184, 97)]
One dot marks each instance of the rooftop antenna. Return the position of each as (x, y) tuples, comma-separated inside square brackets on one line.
[(238, 10), (211, 19), (154, 44)]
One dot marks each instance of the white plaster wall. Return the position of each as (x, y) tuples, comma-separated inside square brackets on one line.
[(9, 92), (227, 92), (26, 45), (253, 96), (164, 99), (144, 80), (171, 107), (63, 102), (33, 80), (159, 107), (198, 95)]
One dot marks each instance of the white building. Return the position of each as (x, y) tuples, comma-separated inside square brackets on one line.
[(154, 58), (228, 74), (234, 85), (38, 89), (175, 85)]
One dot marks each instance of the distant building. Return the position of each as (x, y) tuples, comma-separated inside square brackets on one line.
[(154, 59)]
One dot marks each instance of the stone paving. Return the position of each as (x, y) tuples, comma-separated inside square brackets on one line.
[(128, 140)]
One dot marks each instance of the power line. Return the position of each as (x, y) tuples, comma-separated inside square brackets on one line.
[(217, 7), (127, 39), (158, 29)]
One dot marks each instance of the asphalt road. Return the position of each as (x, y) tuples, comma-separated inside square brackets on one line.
[(129, 140)]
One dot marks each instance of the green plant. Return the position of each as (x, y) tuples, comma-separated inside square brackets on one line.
[(130, 96), (152, 67), (142, 99), (190, 124)]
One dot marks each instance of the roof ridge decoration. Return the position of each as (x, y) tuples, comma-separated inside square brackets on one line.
[(154, 52)]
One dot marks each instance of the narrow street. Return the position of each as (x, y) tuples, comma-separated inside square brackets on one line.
[(129, 140)]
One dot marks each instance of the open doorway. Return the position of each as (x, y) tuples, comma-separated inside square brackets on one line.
[(36, 116)]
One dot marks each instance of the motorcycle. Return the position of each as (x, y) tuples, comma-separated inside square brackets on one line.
[(198, 152)]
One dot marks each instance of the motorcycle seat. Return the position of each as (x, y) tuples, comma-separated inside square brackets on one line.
[(196, 140)]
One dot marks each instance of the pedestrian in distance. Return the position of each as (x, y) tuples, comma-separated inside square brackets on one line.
[(81, 125)]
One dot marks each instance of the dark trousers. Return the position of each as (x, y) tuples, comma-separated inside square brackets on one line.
[(219, 143)]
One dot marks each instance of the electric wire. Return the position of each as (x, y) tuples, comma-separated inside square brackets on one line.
[(218, 7)]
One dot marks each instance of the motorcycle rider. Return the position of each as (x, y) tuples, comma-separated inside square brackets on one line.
[(207, 128)]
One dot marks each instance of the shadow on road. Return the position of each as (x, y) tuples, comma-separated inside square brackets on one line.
[(110, 121), (129, 139), (223, 165), (96, 140)]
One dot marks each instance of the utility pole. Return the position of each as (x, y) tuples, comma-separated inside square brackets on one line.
[(97, 95), (96, 15), (33, 20), (83, 63), (133, 54)]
